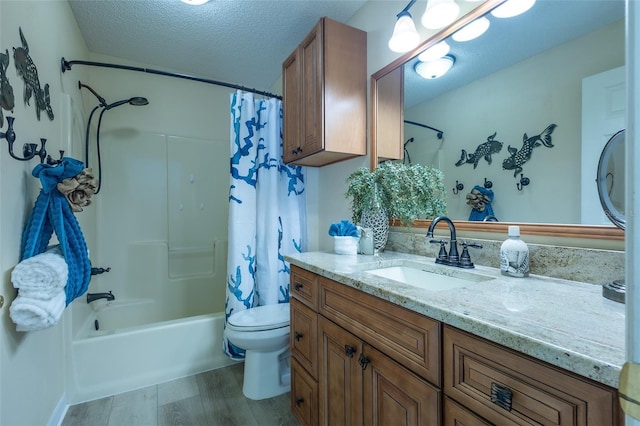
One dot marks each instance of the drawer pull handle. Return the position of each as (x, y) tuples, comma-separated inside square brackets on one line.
[(297, 286), (297, 336), (363, 361), (349, 351), (501, 396), (299, 401)]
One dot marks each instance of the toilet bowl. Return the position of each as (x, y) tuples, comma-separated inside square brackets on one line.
[(263, 332)]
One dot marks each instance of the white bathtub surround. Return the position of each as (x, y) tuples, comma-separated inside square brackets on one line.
[(266, 209)]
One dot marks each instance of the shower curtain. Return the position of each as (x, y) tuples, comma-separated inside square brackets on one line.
[(267, 212)]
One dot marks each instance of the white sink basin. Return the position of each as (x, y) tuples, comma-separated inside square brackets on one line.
[(430, 277)]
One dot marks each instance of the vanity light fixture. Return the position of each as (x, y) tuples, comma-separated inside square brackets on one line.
[(195, 2), (436, 51), (436, 68), (472, 30), (512, 8), (405, 36), (440, 13)]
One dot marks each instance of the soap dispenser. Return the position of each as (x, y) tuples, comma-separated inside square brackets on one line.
[(514, 255)]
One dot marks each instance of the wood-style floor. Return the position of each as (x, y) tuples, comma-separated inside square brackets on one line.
[(211, 398)]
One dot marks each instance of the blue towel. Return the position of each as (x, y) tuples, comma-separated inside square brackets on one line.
[(52, 212), (343, 229)]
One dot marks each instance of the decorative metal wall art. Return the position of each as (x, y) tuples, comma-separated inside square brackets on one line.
[(7, 101), (484, 150), (518, 158), (26, 69)]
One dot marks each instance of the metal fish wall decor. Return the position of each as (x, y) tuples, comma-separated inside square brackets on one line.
[(518, 158), (7, 101), (484, 150), (29, 73)]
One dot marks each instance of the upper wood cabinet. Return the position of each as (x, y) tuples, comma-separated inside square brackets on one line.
[(324, 83)]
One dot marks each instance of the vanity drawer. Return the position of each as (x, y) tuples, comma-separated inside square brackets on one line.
[(525, 390), (304, 395), (304, 336), (304, 286), (411, 339)]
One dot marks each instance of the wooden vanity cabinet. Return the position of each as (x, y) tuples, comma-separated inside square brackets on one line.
[(505, 387), (324, 84), (374, 364)]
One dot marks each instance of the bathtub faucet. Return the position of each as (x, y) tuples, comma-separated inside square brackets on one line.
[(95, 296)]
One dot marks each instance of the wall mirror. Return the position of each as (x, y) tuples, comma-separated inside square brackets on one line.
[(611, 179), (519, 77)]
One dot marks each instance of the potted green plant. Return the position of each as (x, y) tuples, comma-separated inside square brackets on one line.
[(400, 191)]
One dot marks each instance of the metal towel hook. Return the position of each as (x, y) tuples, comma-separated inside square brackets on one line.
[(459, 187), (524, 181)]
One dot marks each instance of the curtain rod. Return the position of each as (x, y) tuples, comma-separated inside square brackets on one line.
[(426, 127), (66, 66)]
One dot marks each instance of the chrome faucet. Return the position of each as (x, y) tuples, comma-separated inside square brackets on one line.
[(95, 296), (452, 258)]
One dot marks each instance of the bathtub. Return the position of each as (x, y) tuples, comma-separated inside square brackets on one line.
[(124, 354)]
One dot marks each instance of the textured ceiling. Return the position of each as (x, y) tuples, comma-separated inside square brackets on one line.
[(236, 41)]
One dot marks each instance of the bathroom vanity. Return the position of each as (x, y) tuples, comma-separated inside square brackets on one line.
[(376, 340)]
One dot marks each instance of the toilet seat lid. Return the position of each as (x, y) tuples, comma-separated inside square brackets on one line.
[(266, 317)]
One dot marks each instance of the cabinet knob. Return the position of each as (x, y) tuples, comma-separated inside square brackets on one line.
[(299, 401), (349, 351), (297, 336), (501, 396), (363, 361), (297, 286)]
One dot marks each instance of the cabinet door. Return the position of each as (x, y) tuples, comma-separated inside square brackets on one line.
[(395, 396), (340, 376), (291, 78), (312, 87), (304, 395), (304, 336)]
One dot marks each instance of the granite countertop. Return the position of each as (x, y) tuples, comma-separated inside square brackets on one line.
[(568, 324)]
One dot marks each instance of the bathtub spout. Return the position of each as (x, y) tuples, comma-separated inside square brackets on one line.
[(95, 296)]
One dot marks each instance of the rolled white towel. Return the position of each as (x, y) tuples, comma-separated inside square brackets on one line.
[(41, 276), (31, 314)]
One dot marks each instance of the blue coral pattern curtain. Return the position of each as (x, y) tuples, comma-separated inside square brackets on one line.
[(267, 216)]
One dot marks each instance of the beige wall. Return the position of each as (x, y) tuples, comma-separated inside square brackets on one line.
[(32, 364)]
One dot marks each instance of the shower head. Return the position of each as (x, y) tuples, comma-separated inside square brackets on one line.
[(135, 101)]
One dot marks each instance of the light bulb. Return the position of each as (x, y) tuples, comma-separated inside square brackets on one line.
[(440, 13), (405, 37), (436, 51), (434, 69), (472, 30), (512, 8)]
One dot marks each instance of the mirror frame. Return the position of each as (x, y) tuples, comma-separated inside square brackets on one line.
[(597, 232)]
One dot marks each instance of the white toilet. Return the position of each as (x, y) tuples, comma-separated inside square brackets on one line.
[(263, 332)]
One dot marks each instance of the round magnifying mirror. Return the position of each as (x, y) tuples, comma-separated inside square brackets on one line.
[(610, 179)]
